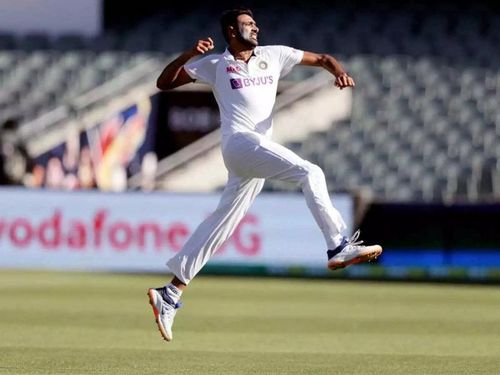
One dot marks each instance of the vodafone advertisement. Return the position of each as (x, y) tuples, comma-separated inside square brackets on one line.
[(139, 232)]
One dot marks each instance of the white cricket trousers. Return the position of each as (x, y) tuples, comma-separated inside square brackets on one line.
[(251, 158)]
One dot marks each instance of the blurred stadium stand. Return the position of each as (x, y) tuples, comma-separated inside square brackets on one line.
[(425, 124), (420, 129)]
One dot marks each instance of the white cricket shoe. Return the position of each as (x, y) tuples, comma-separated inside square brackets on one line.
[(164, 309), (352, 252)]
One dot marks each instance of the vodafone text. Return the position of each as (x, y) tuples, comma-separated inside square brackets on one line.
[(102, 232)]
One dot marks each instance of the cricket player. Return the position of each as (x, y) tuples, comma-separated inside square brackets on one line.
[(244, 80)]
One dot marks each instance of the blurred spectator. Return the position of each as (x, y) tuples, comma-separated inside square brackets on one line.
[(37, 177), (70, 182), (148, 171), (54, 177), (15, 161), (86, 175), (71, 154), (70, 160), (118, 178)]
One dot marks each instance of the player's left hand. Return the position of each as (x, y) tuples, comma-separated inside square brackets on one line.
[(344, 80)]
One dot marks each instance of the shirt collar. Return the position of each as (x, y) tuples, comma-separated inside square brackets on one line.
[(229, 56)]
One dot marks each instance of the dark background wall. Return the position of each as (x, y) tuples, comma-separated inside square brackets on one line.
[(120, 14)]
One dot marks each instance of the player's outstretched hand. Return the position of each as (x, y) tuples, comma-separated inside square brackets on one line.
[(343, 81), (203, 46)]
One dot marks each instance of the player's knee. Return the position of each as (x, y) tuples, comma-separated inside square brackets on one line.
[(313, 172)]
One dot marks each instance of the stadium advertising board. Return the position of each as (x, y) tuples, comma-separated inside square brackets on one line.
[(137, 232), (103, 155), (182, 118)]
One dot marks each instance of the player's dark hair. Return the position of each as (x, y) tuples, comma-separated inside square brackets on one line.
[(229, 18)]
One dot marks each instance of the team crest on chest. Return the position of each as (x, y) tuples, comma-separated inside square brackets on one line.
[(263, 65)]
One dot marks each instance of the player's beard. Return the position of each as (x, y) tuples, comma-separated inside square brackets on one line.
[(244, 38)]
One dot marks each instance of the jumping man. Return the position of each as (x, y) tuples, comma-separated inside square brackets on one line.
[(244, 80)]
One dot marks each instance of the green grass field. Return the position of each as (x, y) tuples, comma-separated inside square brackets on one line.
[(86, 323)]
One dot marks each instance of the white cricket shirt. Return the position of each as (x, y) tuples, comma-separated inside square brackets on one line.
[(245, 92)]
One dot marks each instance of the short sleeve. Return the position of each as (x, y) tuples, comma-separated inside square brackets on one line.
[(203, 70), (288, 58)]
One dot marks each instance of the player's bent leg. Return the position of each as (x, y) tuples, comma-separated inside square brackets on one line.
[(319, 202), (202, 244), (352, 251), (257, 156), (235, 201)]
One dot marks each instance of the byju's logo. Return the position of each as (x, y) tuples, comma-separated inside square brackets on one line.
[(239, 83), (236, 83)]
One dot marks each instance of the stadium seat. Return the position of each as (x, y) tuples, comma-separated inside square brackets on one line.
[(69, 42), (34, 42), (7, 41)]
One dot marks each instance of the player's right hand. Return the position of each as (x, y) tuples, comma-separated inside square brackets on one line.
[(344, 80), (203, 46)]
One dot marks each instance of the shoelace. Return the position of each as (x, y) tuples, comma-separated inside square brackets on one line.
[(352, 242)]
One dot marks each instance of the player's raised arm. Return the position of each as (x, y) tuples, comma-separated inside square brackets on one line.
[(342, 79), (174, 75)]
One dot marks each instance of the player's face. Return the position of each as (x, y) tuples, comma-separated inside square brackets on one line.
[(247, 30)]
